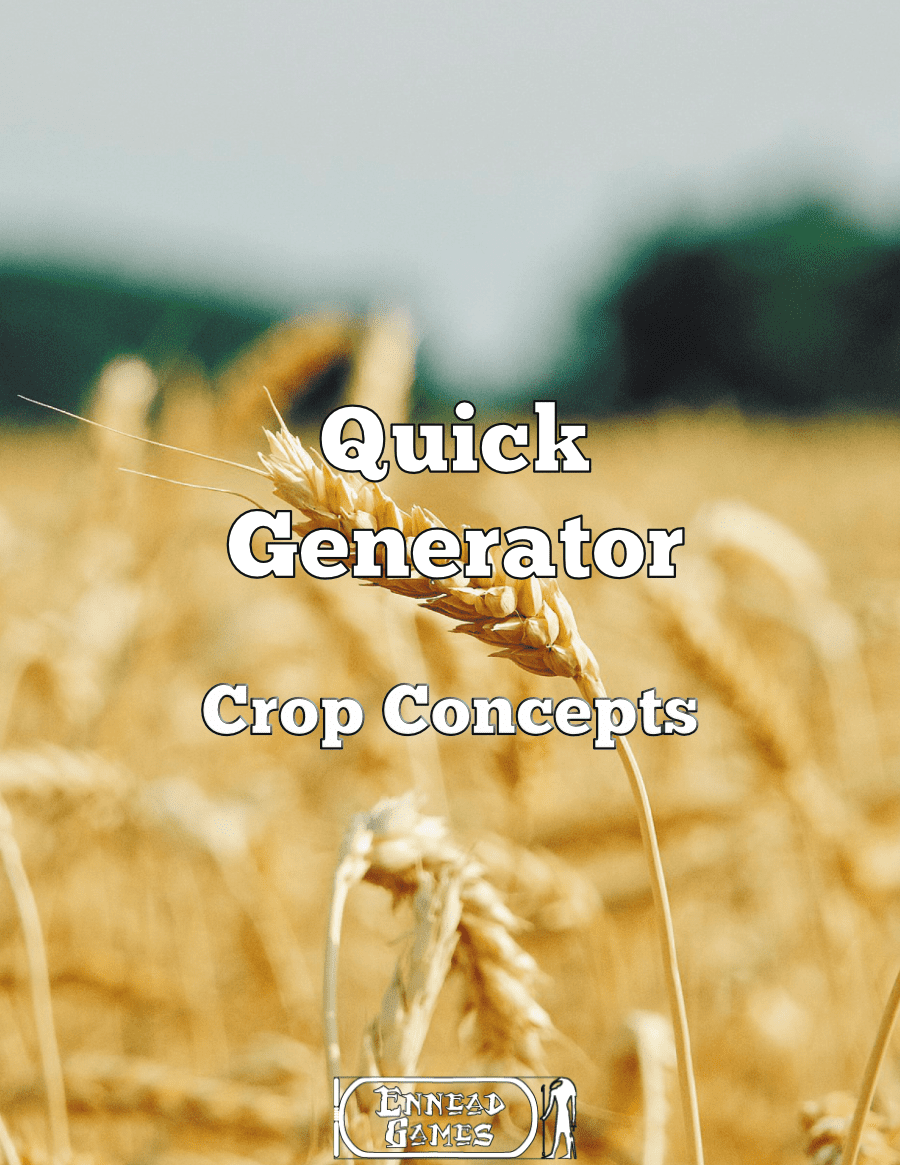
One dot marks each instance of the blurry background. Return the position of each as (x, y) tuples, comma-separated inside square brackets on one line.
[(629, 207), (613, 203)]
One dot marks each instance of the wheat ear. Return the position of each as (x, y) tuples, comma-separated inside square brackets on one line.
[(460, 917), (394, 1040), (527, 620), (829, 627), (109, 1083)]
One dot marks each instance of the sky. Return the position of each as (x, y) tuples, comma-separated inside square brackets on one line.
[(477, 161)]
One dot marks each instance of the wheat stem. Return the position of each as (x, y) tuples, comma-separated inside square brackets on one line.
[(592, 688), (40, 987), (870, 1076), (350, 869), (10, 1154), (686, 1082)]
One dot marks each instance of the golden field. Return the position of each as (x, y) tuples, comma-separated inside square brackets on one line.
[(182, 880)]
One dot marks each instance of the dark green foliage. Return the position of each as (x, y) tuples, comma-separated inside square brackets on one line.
[(791, 313), (59, 326), (797, 312)]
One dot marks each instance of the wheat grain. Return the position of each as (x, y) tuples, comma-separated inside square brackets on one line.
[(274, 1059), (766, 708), (130, 1084), (407, 853), (393, 1041), (111, 975), (545, 890), (51, 775)]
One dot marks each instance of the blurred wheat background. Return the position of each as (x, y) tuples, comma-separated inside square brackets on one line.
[(679, 221), (182, 880)]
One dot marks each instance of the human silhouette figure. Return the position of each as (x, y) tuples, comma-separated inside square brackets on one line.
[(561, 1097)]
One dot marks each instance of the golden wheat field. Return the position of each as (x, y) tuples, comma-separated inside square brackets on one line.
[(161, 993)]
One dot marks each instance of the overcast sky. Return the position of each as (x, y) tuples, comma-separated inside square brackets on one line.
[(475, 159)]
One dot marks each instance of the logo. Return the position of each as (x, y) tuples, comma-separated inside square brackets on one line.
[(484, 1117)]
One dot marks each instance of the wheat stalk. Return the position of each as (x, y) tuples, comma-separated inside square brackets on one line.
[(528, 621), (40, 987), (870, 1076), (461, 915), (655, 1052), (8, 1146)]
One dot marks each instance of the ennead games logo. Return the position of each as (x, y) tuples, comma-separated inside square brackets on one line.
[(483, 1117)]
